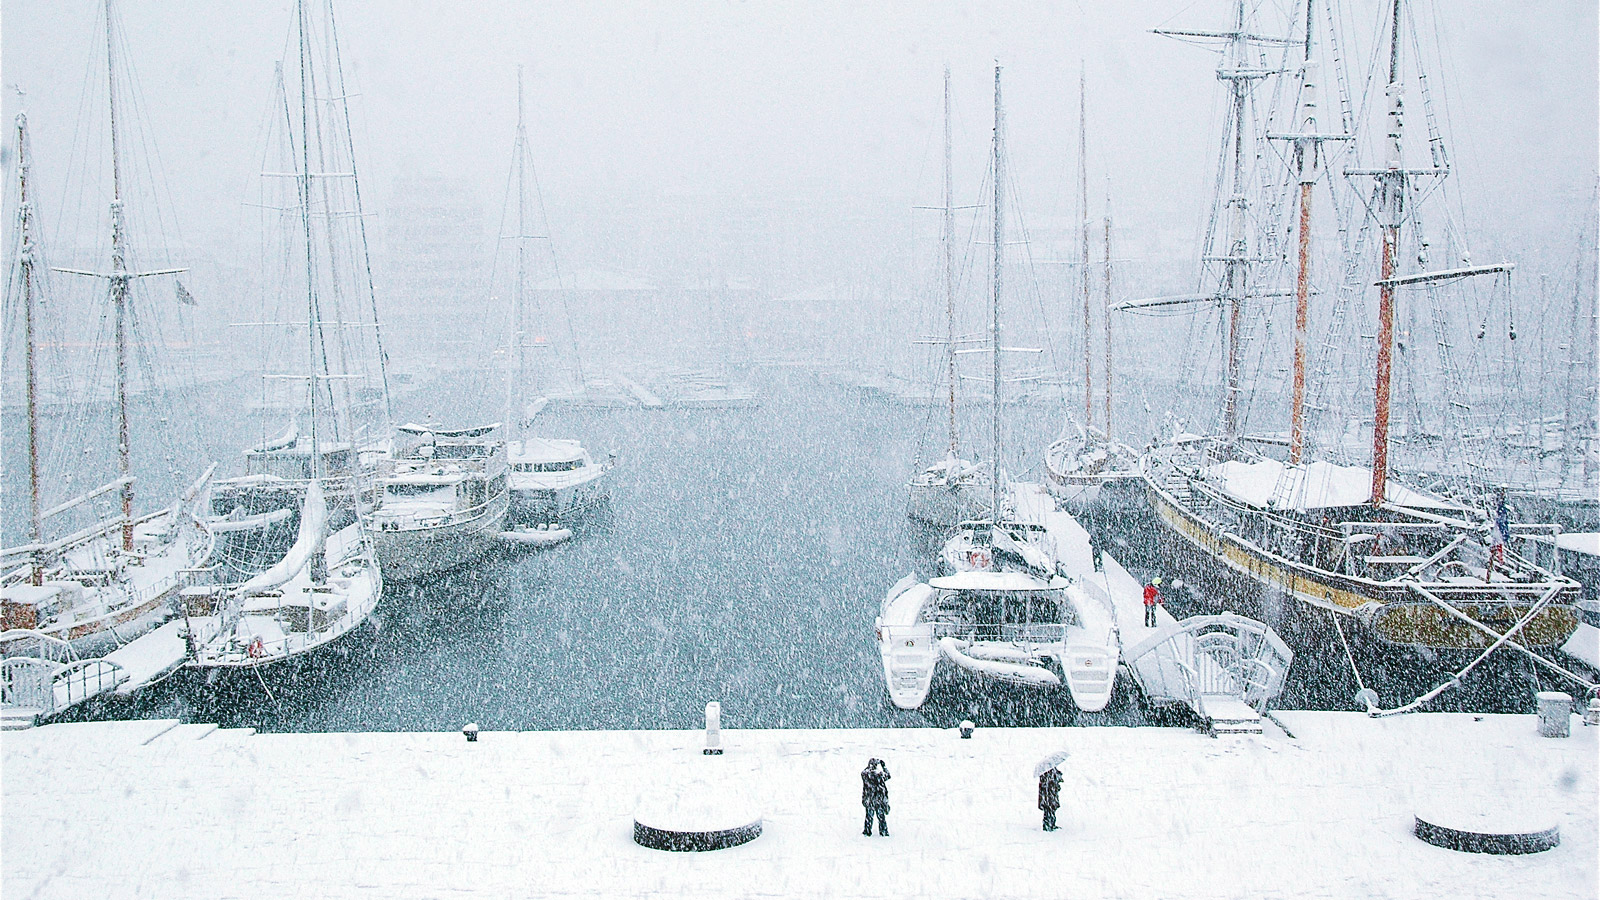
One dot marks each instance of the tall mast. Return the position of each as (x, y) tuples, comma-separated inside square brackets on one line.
[(1391, 209), (520, 326), (119, 295), (999, 265), (313, 314), (949, 267), (25, 214), (1236, 261), (1083, 268), (1306, 161), (1107, 312)]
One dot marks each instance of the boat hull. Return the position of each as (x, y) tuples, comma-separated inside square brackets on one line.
[(1394, 612), (410, 553), (535, 500)]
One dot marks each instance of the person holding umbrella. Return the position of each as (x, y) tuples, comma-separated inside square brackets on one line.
[(1050, 787), (875, 796)]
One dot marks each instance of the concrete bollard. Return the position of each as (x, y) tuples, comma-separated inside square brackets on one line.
[(713, 729), (1555, 711), (966, 728)]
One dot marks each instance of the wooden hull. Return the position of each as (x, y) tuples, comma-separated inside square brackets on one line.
[(1397, 613)]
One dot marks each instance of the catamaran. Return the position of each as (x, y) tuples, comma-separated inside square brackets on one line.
[(1002, 612)]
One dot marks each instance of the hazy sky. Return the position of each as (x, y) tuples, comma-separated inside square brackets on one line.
[(833, 102)]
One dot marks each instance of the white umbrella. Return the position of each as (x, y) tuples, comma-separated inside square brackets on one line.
[(1049, 762)]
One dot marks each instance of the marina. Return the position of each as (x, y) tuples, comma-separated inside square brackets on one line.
[(394, 524)]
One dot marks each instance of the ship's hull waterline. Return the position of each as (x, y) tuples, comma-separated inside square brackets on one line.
[(1396, 613)]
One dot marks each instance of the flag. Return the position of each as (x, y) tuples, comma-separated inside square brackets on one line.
[(183, 295)]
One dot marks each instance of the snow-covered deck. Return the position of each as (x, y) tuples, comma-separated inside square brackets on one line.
[(144, 809)]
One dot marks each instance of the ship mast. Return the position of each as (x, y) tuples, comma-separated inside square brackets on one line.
[(949, 267), (1107, 312), (1391, 207), (999, 265), (25, 261), (1308, 164), (1236, 262), (519, 326), (119, 296), (1083, 267)]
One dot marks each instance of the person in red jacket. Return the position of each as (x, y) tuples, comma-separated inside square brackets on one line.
[(1152, 596)]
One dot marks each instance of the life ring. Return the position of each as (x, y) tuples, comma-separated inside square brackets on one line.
[(257, 649), (978, 559)]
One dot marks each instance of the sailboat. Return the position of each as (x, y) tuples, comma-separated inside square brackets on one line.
[(1345, 541), (1086, 468), (254, 513), (328, 582), (550, 479), (1002, 612), (113, 580), (953, 489)]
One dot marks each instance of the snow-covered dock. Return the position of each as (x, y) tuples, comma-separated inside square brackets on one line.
[(155, 809)]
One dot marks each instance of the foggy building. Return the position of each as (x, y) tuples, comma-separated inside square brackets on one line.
[(433, 279)]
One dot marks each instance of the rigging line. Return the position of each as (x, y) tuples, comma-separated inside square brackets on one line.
[(361, 219)]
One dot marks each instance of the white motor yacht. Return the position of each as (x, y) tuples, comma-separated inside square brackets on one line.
[(552, 480), (443, 503)]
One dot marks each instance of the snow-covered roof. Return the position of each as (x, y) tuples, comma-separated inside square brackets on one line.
[(1580, 542), (1270, 484), (469, 432), (989, 581), (535, 449)]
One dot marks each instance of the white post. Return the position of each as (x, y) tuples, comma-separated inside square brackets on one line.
[(713, 729), (1555, 710)]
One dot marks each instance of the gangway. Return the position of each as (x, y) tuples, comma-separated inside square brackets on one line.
[(42, 676), (1226, 669)]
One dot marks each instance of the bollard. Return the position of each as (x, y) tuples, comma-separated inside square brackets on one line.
[(1591, 716), (713, 729), (1555, 710), (471, 731), (966, 728)]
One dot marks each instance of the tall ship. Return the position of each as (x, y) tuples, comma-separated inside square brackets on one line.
[(95, 571), (327, 582), (1286, 521), (550, 479)]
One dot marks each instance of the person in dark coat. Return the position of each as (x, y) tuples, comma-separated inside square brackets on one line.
[(1050, 797), (875, 796)]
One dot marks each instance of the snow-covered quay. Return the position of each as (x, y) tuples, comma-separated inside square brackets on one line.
[(156, 809)]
